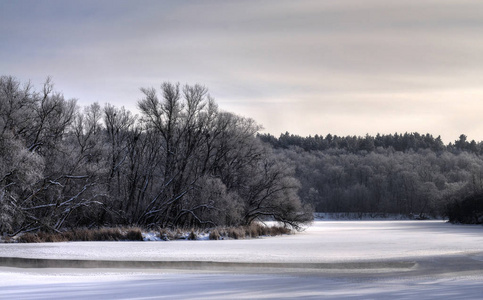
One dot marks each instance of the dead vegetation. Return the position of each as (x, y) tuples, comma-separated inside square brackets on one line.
[(251, 231), (101, 234), (254, 230)]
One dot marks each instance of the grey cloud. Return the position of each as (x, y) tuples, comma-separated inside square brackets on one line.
[(334, 61)]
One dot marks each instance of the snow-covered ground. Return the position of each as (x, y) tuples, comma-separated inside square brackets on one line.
[(331, 259)]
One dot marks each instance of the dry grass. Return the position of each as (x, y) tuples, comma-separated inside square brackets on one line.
[(135, 234), (168, 234), (101, 234), (278, 230), (254, 230), (29, 238), (214, 235), (192, 236)]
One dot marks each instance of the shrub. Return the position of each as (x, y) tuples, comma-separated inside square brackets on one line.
[(236, 233), (279, 230), (82, 235), (102, 234), (53, 237), (29, 238), (107, 234), (192, 236), (134, 234), (255, 230), (214, 235)]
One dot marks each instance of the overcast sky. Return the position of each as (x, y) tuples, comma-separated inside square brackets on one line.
[(345, 67)]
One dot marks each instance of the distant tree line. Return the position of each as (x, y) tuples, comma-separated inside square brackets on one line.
[(181, 163), (354, 144), (409, 174)]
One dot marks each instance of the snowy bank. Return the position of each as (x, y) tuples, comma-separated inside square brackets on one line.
[(331, 259)]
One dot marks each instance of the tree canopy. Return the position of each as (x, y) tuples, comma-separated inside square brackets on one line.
[(408, 174), (181, 163)]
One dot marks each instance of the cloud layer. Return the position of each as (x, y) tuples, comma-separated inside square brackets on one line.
[(346, 67)]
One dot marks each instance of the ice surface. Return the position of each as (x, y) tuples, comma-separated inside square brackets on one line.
[(231, 286), (440, 260), (335, 241)]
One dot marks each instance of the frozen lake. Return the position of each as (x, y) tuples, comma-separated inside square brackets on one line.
[(331, 259)]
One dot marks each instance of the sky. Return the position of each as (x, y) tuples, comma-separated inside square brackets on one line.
[(345, 67)]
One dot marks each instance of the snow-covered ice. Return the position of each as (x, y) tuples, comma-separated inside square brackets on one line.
[(231, 286), (327, 241), (331, 259)]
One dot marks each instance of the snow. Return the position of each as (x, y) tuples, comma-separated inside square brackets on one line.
[(150, 236), (331, 259), (231, 286), (327, 241)]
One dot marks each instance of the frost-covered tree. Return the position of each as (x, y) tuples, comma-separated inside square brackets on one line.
[(183, 162), (197, 144), (41, 182)]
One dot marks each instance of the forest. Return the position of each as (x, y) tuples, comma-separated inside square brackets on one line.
[(184, 162), (408, 174)]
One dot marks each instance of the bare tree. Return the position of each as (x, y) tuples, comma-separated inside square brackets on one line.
[(183, 163)]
